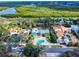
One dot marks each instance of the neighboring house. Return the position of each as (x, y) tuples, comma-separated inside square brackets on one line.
[(13, 32), (60, 40), (63, 40), (56, 52), (16, 49), (26, 31), (68, 35), (66, 41), (61, 22), (77, 19)]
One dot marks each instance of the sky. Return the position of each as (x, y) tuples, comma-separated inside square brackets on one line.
[(39, 0)]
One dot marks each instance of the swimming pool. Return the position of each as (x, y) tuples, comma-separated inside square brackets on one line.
[(40, 41)]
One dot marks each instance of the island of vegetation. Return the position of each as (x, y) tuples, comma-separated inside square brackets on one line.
[(45, 11)]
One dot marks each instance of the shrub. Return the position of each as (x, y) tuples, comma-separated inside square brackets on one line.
[(31, 50), (53, 37), (66, 25)]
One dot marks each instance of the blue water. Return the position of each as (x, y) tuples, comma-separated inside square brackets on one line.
[(40, 41), (8, 11)]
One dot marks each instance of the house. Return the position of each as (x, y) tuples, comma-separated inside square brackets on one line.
[(17, 49), (64, 40), (13, 32), (56, 52), (26, 31)]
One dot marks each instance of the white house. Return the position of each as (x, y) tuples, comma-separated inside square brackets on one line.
[(12, 33), (26, 31)]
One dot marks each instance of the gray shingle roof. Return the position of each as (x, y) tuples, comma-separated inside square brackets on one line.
[(58, 50)]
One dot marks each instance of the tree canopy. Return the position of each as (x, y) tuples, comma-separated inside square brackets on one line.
[(43, 11)]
